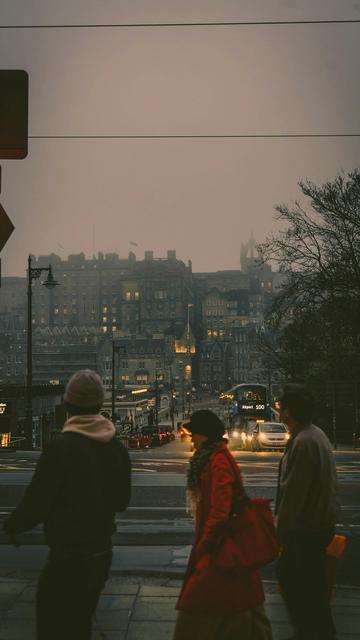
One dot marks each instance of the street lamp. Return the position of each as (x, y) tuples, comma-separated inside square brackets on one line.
[(188, 349), (50, 283), (182, 365), (115, 349)]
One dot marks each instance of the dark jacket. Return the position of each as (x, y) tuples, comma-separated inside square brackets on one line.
[(78, 486), (307, 499), (205, 590)]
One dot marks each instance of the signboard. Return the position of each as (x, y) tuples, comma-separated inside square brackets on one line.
[(6, 227), (14, 90)]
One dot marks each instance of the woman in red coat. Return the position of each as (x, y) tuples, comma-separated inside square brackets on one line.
[(213, 605)]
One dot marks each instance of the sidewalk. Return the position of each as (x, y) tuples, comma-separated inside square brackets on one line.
[(143, 606)]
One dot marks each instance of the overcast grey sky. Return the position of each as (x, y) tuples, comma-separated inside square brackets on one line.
[(200, 197)]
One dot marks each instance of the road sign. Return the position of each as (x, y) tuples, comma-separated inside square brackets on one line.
[(6, 227), (14, 90)]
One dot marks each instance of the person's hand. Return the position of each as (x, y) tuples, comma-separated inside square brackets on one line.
[(13, 539)]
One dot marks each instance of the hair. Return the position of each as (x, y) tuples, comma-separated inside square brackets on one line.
[(299, 401), (72, 410)]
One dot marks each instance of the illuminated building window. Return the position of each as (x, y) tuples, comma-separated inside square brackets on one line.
[(136, 295), (127, 295), (104, 318), (104, 329), (105, 309)]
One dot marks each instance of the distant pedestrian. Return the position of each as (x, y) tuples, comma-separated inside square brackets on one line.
[(214, 605), (307, 508), (81, 480)]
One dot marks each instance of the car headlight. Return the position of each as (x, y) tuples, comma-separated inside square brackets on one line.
[(249, 437), (287, 436), (235, 434)]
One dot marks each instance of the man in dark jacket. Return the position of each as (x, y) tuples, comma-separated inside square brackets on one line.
[(81, 480), (307, 509)]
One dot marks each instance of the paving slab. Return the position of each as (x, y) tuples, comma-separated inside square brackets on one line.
[(112, 620), (155, 608), (116, 602), (157, 631), (148, 590)]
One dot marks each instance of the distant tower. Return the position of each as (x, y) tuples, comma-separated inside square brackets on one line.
[(249, 262)]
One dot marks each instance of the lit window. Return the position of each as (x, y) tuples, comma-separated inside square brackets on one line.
[(136, 295), (104, 329), (104, 318), (127, 295), (105, 309)]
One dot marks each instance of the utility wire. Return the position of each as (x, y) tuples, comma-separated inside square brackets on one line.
[(199, 136), (135, 25)]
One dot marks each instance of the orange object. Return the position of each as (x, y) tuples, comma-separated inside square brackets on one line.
[(334, 551), (336, 547)]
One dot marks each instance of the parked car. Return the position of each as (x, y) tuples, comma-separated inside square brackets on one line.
[(154, 435), (269, 435)]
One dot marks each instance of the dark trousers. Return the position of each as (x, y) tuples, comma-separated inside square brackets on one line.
[(301, 574), (67, 595)]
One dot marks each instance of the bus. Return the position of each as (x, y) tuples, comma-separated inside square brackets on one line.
[(247, 402)]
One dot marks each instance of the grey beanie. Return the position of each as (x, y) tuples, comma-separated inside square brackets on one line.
[(84, 389)]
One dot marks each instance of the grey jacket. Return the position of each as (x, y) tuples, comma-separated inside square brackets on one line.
[(307, 499)]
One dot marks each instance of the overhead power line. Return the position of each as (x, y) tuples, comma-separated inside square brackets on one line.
[(198, 136), (134, 25)]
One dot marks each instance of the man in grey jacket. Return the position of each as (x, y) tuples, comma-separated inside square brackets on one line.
[(307, 509)]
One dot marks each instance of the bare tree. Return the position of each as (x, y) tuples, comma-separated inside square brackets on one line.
[(317, 311)]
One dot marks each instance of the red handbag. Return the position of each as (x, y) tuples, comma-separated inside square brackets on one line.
[(249, 540)]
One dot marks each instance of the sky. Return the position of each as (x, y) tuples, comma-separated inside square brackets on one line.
[(202, 197)]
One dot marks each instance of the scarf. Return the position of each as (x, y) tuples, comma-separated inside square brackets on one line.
[(196, 466)]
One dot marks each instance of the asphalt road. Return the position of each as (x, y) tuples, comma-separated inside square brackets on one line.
[(157, 514)]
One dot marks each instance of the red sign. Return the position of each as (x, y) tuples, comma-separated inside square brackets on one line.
[(6, 227)]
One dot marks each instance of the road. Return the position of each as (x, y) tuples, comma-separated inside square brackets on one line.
[(157, 514)]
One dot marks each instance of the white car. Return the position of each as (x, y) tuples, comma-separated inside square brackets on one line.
[(269, 435)]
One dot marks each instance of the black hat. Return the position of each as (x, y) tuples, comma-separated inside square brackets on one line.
[(206, 423)]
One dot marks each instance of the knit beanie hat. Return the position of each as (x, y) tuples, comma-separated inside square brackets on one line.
[(84, 389), (206, 423)]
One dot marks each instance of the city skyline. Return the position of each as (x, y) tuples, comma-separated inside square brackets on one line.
[(202, 197)]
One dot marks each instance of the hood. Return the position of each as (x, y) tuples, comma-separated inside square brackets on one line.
[(94, 427)]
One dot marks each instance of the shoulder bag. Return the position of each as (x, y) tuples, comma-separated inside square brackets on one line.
[(248, 541)]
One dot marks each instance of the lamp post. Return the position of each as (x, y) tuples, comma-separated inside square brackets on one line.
[(115, 349), (157, 400), (50, 283)]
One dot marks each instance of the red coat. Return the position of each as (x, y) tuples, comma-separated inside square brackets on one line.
[(205, 590)]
